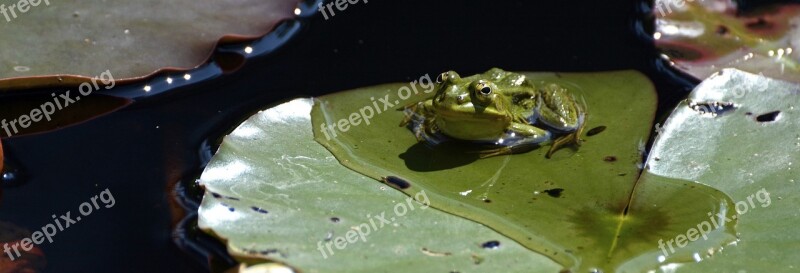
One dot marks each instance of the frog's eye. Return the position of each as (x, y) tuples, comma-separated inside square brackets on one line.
[(441, 78), (483, 92), (446, 77), (483, 88)]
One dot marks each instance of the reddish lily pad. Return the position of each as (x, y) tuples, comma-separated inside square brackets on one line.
[(702, 37), (67, 42)]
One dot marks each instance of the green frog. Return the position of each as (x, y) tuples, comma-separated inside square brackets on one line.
[(502, 109)]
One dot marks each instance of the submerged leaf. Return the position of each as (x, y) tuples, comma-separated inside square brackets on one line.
[(701, 37), (583, 208)]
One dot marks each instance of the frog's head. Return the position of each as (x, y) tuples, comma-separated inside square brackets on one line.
[(470, 108)]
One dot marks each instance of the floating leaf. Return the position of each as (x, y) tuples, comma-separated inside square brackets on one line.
[(66, 42), (270, 195), (750, 153), (272, 192), (583, 209), (701, 37)]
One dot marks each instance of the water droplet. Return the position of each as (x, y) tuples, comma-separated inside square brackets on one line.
[(21, 68)]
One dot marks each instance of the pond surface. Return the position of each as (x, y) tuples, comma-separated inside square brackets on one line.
[(149, 153)]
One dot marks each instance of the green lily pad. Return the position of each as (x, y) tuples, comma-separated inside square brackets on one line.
[(584, 209), (273, 193), (68, 42), (749, 152)]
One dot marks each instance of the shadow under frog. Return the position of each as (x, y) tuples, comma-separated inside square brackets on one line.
[(489, 114)]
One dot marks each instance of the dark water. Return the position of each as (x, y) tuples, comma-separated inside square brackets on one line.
[(149, 153)]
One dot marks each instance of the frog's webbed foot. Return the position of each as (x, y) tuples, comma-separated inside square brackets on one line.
[(495, 152), (523, 138), (423, 128), (572, 138), (409, 113)]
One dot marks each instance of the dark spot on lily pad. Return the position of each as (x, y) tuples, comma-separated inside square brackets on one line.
[(269, 251), (335, 219), (487, 200), (491, 245), (759, 23), (768, 117), (713, 108), (683, 51), (259, 210), (554, 192), (397, 182), (610, 158), (596, 130), (722, 30)]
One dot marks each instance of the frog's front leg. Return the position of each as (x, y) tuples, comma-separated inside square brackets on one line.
[(562, 112), (421, 121), (530, 134)]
